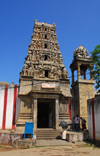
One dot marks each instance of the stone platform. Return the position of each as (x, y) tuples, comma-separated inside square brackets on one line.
[(73, 136), (25, 143), (16, 139)]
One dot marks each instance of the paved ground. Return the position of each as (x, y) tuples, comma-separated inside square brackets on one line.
[(55, 142), (50, 149)]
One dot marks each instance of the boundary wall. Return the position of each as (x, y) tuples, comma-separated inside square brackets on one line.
[(9, 106), (94, 117)]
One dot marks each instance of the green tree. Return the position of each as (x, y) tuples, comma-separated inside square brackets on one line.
[(95, 68)]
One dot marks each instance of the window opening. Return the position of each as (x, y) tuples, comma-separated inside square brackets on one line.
[(45, 36), (45, 45), (45, 58), (45, 29), (46, 73)]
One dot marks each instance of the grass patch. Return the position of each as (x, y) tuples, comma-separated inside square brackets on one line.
[(40, 146), (87, 145), (54, 145), (2, 146), (91, 145)]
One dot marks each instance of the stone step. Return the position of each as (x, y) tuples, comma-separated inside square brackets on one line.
[(20, 130), (23, 121), (64, 118), (66, 115), (44, 132), (47, 134), (26, 115), (25, 118), (20, 125), (46, 138), (47, 131)]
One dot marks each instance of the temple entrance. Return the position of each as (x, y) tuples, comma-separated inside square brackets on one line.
[(46, 114)]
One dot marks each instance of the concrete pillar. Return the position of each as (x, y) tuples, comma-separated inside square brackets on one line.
[(57, 114), (35, 114)]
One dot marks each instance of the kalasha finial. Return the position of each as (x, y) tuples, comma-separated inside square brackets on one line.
[(35, 20)]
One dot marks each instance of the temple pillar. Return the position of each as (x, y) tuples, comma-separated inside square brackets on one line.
[(78, 72), (57, 114), (35, 114)]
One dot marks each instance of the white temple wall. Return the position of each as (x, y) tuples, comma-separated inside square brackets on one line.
[(9, 106)]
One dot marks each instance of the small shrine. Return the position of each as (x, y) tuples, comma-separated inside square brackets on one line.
[(82, 88)]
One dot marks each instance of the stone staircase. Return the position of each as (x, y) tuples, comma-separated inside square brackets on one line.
[(47, 134)]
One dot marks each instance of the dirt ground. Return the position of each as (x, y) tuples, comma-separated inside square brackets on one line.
[(74, 150)]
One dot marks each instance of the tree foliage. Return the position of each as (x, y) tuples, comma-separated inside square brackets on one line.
[(95, 68)]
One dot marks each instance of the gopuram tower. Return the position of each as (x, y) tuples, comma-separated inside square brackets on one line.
[(44, 83)]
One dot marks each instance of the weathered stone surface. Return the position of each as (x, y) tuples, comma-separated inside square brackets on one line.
[(77, 136), (24, 143), (9, 138), (82, 88), (44, 54), (43, 64), (81, 52)]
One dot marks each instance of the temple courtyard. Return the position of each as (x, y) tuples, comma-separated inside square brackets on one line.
[(53, 148)]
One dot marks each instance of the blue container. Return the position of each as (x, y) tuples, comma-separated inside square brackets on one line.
[(29, 129)]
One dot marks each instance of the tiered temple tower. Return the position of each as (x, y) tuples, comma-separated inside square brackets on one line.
[(44, 83), (44, 59)]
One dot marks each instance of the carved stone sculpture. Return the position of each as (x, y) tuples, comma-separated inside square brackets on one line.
[(65, 73), (81, 52), (44, 54)]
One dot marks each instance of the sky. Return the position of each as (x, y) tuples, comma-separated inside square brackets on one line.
[(77, 23)]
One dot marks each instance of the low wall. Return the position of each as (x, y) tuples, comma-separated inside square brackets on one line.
[(94, 117), (16, 139), (9, 106), (6, 138)]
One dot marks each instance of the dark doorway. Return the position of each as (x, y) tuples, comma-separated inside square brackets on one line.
[(46, 115), (43, 115)]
